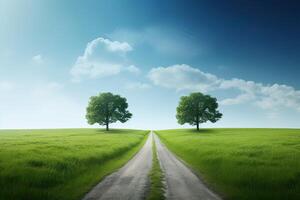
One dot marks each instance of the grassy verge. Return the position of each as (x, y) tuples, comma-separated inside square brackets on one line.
[(156, 178), (61, 164), (242, 164)]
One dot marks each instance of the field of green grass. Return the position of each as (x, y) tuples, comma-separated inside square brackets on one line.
[(242, 164), (61, 164)]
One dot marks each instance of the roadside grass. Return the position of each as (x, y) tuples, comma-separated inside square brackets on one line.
[(61, 164), (242, 164), (156, 178)]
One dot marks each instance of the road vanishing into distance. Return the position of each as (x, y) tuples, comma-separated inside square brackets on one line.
[(131, 182)]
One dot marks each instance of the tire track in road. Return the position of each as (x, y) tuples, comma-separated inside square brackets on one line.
[(181, 182)]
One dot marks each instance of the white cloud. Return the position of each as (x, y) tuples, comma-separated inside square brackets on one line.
[(265, 96), (164, 40), (102, 57), (185, 77), (113, 46), (276, 95), (38, 59), (133, 69), (241, 98)]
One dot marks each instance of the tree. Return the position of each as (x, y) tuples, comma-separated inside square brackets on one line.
[(107, 108), (197, 108)]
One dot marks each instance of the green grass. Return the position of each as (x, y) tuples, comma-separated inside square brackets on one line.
[(61, 164), (156, 178), (242, 164)]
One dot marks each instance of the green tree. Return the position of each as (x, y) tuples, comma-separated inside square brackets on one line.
[(197, 108), (107, 108)]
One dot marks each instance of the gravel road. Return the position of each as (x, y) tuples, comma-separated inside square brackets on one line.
[(130, 182), (181, 182)]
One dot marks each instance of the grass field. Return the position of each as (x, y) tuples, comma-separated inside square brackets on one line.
[(61, 164), (242, 164)]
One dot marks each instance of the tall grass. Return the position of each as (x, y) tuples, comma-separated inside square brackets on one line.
[(61, 164), (242, 164)]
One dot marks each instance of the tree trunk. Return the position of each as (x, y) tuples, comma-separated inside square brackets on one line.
[(107, 128), (197, 122)]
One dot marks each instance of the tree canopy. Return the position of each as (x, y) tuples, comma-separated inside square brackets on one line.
[(197, 108), (107, 108)]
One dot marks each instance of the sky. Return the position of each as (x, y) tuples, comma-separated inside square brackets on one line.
[(55, 54)]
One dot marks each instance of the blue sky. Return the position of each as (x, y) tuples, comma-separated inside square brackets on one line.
[(54, 55)]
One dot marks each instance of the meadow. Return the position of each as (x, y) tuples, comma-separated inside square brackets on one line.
[(61, 163), (242, 164)]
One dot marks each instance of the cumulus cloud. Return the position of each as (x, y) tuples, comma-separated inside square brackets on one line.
[(38, 59), (102, 57), (185, 77), (241, 98), (265, 96), (279, 95), (113, 46)]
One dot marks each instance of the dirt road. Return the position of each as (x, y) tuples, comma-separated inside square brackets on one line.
[(130, 182), (181, 182)]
